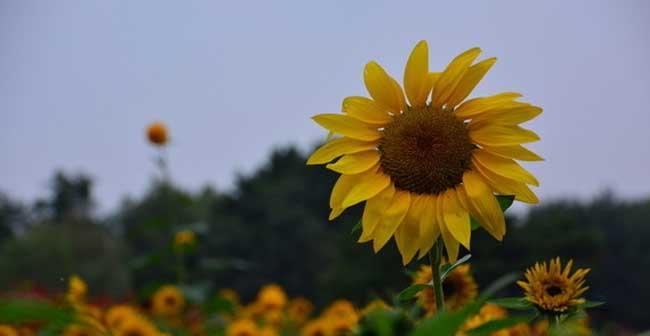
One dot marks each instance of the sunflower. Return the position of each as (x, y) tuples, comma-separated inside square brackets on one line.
[(271, 297), (136, 326), (242, 327), (116, 315), (489, 312), (551, 288), (341, 315), (184, 238), (157, 134), (459, 288), (6, 330), (77, 289), (168, 301), (424, 167), (317, 327), (299, 309)]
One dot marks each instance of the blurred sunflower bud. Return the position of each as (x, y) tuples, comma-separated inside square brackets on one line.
[(157, 134)]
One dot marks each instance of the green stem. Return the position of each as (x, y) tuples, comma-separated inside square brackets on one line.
[(435, 258)]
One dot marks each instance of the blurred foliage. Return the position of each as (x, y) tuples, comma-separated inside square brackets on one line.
[(272, 227)]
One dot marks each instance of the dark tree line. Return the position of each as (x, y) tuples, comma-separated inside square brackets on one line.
[(273, 228)]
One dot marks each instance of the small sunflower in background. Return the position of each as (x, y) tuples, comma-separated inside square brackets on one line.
[(459, 288), (342, 316), (77, 289), (552, 288), (426, 162), (157, 134), (242, 327), (489, 312), (6, 330), (116, 315), (271, 298), (299, 309), (168, 301), (137, 326), (184, 238), (316, 327)]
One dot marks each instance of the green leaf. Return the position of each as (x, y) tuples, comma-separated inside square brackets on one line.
[(447, 322), (495, 325), (446, 269), (53, 318), (24, 311), (410, 292), (517, 303), (591, 304), (356, 227), (505, 201), (219, 305), (379, 322)]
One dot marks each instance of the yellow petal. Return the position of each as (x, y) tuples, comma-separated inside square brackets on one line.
[(392, 218), (341, 189), (335, 212), (434, 76), (508, 116), (366, 110), (407, 234), (517, 152), (347, 126), (477, 106), (382, 87), (352, 189), (501, 135), (429, 227), (399, 93), (473, 76), (417, 81), (452, 75), (355, 163), (456, 218), (337, 147), (504, 167), (373, 212), (483, 205), (450, 243), (368, 184), (506, 186)]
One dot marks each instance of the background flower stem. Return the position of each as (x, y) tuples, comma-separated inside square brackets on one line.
[(435, 258)]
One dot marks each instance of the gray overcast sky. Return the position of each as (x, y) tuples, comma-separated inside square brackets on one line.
[(79, 80)]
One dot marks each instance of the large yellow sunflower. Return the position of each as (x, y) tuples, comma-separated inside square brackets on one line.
[(552, 288), (424, 167)]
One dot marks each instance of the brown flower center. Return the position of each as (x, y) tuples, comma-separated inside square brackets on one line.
[(170, 301), (553, 290), (425, 151)]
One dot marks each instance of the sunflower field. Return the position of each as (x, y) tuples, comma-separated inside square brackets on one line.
[(404, 231)]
